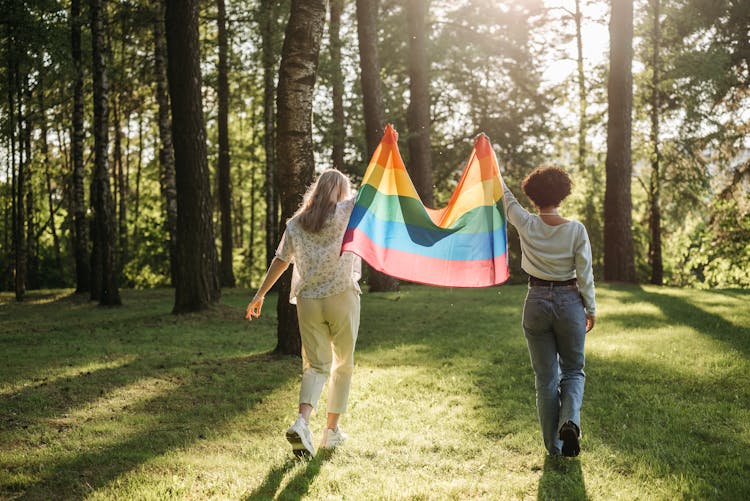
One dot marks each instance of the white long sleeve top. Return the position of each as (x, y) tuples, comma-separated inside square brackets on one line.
[(560, 252)]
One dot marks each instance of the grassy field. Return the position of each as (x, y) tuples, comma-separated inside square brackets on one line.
[(135, 403)]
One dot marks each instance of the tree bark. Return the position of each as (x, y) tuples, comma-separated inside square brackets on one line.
[(10, 69), (104, 274), (166, 151), (32, 244), (337, 86), (138, 170), (372, 97), (80, 233), (121, 182), (587, 172), (225, 182), (297, 74), (269, 13), (197, 281), (7, 211), (19, 238), (619, 263), (47, 176), (251, 233), (654, 220), (418, 112)]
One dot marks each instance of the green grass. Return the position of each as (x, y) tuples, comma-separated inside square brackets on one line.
[(135, 403)]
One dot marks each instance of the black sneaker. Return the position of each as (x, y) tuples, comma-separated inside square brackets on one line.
[(569, 436)]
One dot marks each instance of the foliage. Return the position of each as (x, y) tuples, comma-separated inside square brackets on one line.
[(715, 266), (486, 70), (137, 403)]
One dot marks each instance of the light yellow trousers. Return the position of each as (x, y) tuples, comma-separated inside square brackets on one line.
[(328, 327)]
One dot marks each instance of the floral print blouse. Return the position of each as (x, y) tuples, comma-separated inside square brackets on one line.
[(320, 269)]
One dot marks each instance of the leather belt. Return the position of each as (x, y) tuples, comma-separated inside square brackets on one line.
[(538, 282)]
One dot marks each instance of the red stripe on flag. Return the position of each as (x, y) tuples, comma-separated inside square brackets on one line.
[(426, 270)]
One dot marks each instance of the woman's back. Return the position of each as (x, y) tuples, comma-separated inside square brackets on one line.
[(549, 251), (320, 269)]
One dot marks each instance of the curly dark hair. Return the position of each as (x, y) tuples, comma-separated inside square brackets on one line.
[(547, 186)]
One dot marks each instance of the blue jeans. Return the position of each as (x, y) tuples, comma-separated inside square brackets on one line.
[(554, 322)]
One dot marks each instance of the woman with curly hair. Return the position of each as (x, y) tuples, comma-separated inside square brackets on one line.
[(325, 290), (560, 307)]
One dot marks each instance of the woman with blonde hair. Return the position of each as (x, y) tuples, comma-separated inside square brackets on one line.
[(325, 289)]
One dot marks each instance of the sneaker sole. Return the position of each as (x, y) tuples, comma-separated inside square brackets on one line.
[(569, 437), (298, 446)]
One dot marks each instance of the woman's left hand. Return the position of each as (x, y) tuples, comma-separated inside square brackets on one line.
[(590, 321)]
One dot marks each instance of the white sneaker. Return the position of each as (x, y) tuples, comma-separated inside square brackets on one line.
[(301, 438), (333, 438)]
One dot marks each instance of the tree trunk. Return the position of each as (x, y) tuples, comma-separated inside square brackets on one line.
[(654, 221), (586, 172), (197, 281), (337, 83), (166, 151), (7, 211), (139, 167), (11, 245), (369, 64), (251, 233), (582, 122), (225, 183), (19, 238), (104, 274), (121, 190), (268, 14), (52, 223), (80, 233), (297, 74), (619, 264), (32, 245), (418, 112), (47, 175)]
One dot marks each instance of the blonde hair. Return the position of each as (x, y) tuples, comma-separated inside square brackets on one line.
[(321, 198)]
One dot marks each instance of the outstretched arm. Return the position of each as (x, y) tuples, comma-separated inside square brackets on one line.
[(278, 266), (515, 213)]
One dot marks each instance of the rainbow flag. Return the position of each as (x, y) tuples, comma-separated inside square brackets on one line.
[(462, 245)]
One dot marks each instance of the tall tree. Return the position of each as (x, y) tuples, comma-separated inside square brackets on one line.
[(138, 173), (372, 97), (19, 239), (337, 85), (80, 226), (44, 126), (297, 75), (654, 220), (104, 274), (619, 262), (268, 20), (166, 152), (32, 246), (586, 169), (119, 178), (418, 113), (196, 281), (225, 183)]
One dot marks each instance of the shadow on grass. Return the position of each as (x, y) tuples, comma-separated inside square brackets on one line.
[(205, 401), (656, 422), (681, 429), (298, 486), (681, 311), (562, 478)]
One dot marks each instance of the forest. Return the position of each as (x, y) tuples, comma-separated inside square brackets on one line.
[(165, 143)]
